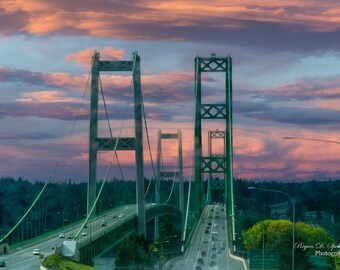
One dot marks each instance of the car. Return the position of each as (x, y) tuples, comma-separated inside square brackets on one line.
[(36, 251), (121, 216), (2, 263), (84, 233), (61, 235), (103, 223), (200, 261)]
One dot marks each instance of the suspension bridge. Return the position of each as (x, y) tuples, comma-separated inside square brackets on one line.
[(187, 201)]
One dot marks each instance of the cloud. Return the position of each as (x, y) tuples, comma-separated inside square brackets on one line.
[(264, 154), (166, 87), (57, 80), (27, 136), (46, 97), (283, 25), (43, 110), (250, 106), (84, 57), (298, 116), (304, 89)]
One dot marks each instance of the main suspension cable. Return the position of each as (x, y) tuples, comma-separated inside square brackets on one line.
[(62, 152)]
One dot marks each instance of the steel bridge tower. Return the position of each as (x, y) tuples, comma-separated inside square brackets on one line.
[(215, 184), (178, 175), (213, 163), (119, 144)]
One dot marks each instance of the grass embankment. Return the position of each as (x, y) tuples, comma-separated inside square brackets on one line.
[(61, 263)]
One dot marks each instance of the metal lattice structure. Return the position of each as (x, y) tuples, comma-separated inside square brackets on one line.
[(117, 144), (223, 111), (214, 183)]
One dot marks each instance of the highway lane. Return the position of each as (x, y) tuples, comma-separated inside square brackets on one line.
[(209, 246), (23, 259)]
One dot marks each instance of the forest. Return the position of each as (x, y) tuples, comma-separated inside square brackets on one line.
[(63, 203)]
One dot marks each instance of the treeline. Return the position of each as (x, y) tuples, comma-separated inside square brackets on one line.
[(61, 203), (316, 203), (64, 203)]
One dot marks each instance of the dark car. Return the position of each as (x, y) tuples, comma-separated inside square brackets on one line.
[(2, 263)]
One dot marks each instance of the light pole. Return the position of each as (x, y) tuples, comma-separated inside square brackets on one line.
[(63, 216), (78, 208), (46, 214), (293, 206)]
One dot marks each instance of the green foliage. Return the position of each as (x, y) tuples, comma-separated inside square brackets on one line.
[(133, 253), (61, 263), (277, 235)]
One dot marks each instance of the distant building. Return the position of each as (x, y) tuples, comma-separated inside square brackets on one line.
[(279, 210), (318, 217)]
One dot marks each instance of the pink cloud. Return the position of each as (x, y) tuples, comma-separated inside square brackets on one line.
[(111, 19), (45, 97), (266, 155), (84, 57)]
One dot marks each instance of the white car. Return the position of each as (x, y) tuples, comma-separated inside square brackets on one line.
[(61, 235), (121, 216), (84, 233), (36, 251)]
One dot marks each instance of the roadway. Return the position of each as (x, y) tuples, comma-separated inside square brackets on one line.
[(23, 259), (209, 247)]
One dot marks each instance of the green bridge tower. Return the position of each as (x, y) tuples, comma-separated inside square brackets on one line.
[(118, 144), (214, 163)]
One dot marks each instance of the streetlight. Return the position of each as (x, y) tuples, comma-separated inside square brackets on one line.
[(293, 205), (78, 208), (63, 216)]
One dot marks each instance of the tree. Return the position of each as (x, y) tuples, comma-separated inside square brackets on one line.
[(133, 253), (278, 236)]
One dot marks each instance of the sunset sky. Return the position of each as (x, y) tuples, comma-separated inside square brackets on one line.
[(286, 82)]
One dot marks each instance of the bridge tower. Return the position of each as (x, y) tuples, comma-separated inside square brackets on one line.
[(174, 175), (123, 143), (212, 163), (215, 184)]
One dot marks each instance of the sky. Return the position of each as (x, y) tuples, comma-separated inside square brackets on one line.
[(286, 83)]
